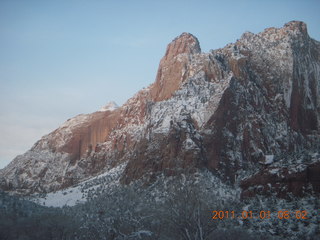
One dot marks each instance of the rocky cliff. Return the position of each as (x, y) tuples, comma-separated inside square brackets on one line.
[(230, 110)]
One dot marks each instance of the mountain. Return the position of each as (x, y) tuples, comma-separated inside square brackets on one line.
[(110, 106), (248, 112)]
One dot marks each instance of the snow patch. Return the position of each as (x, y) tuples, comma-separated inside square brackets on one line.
[(269, 159), (82, 191)]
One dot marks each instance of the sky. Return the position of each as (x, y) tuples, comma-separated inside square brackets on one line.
[(62, 58)]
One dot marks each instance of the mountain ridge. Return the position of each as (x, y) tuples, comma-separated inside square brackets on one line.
[(224, 110)]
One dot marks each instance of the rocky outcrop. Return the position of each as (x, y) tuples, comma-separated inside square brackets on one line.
[(223, 110), (174, 66), (297, 179)]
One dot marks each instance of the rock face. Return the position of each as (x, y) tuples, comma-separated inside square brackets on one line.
[(281, 181), (224, 110), (173, 68)]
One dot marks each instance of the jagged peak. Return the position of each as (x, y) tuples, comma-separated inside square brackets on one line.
[(293, 30), (185, 43), (296, 26), (172, 69), (185, 35)]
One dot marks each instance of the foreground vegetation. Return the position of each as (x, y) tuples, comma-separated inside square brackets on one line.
[(177, 209)]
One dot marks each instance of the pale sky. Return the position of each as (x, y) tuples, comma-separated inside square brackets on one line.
[(62, 58)]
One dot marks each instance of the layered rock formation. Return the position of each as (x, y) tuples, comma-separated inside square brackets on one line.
[(224, 110)]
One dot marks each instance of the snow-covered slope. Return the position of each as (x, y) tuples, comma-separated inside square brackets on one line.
[(82, 191)]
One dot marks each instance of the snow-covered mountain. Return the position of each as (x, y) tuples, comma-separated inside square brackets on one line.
[(230, 111), (110, 106)]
